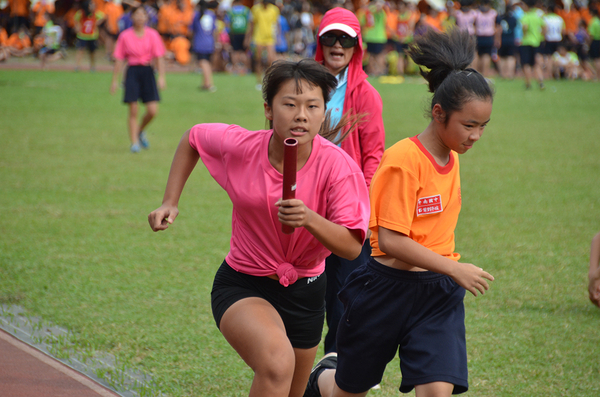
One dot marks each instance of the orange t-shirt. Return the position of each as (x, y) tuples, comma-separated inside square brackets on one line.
[(99, 5), (181, 49), (434, 22), (3, 37), (164, 18), (40, 11), (19, 8), (113, 12), (17, 42), (571, 19), (180, 20), (413, 195)]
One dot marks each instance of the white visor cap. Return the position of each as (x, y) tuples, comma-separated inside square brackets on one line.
[(338, 26)]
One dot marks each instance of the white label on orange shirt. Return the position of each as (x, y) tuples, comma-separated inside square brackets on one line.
[(429, 205)]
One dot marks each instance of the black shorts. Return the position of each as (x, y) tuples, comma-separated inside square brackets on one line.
[(300, 305), (528, 54), (507, 50), (583, 52), (202, 57), (595, 49), (549, 47), (485, 45), (375, 48), (237, 41), (401, 47), (91, 45), (140, 84), (418, 314)]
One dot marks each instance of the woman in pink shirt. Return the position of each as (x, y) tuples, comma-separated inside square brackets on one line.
[(485, 29), (138, 46), (268, 295)]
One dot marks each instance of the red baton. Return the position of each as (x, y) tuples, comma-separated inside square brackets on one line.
[(290, 158)]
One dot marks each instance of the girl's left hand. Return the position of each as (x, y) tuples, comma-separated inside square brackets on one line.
[(293, 213)]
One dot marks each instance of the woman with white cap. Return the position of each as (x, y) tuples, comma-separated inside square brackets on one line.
[(340, 49)]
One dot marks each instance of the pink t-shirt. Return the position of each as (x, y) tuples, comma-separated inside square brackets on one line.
[(139, 50), (330, 183), (465, 20), (485, 23)]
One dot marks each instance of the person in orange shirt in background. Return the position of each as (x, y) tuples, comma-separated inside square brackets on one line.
[(179, 18), (19, 43), (4, 52), (40, 19), (163, 25), (403, 21), (19, 14), (572, 17), (99, 5), (110, 29), (180, 48)]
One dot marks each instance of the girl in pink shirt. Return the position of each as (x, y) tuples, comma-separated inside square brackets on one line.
[(138, 46), (268, 295), (485, 29)]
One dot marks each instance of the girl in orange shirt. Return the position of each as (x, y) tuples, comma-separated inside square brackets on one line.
[(409, 297)]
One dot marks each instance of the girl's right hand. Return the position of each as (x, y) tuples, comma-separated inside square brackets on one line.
[(162, 217), (471, 278), (113, 88)]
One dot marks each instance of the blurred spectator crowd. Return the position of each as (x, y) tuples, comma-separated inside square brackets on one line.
[(569, 45)]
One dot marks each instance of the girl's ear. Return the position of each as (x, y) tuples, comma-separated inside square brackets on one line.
[(438, 113), (268, 112)]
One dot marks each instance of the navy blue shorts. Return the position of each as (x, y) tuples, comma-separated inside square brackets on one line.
[(507, 50), (91, 45), (401, 47), (419, 314), (237, 41), (375, 48), (595, 49), (140, 84), (485, 45), (300, 305), (200, 56)]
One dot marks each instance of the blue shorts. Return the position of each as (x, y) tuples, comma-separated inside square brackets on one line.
[(140, 84), (237, 41), (507, 50), (419, 314), (595, 49), (375, 48), (91, 45), (300, 305), (201, 56), (485, 45)]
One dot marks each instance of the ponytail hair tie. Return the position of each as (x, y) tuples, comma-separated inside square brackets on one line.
[(287, 274)]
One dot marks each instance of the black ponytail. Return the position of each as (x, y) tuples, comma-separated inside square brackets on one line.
[(446, 58)]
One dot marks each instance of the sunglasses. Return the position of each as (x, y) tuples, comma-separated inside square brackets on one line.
[(329, 39)]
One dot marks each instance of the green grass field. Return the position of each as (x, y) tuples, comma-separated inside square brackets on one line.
[(76, 249)]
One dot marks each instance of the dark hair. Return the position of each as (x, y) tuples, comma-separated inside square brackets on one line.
[(446, 57), (316, 75), (135, 8), (85, 7)]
